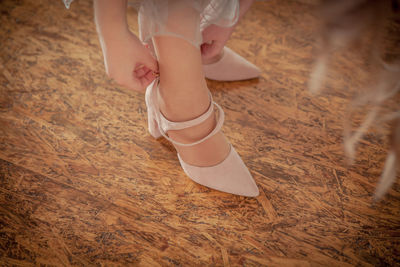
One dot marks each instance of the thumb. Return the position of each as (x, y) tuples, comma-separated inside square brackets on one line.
[(211, 50)]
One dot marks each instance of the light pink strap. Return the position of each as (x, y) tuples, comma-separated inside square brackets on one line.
[(167, 125), (220, 122)]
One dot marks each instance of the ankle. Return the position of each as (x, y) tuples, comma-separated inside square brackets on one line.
[(185, 109), (183, 112), (178, 106)]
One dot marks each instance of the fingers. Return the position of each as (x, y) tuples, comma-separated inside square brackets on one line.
[(144, 75), (212, 50), (145, 71), (204, 49), (140, 70), (214, 38), (208, 34), (130, 63), (138, 80), (151, 63), (147, 79)]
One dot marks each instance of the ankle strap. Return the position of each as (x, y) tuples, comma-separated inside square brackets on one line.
[(166, 125), (220, 122)]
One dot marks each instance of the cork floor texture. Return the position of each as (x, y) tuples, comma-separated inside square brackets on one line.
[(82, 183)]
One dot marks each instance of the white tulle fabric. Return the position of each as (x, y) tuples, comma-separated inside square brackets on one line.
[(182, 18)]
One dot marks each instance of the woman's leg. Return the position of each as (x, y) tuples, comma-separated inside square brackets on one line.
[(184, 96)]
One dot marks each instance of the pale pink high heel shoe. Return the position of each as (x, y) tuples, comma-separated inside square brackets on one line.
[(230, 176), (231, 67)]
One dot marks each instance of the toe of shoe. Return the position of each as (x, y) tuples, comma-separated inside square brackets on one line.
[(230, 176)]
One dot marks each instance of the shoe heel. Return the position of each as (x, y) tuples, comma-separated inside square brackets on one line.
[(151, 118), (153, 126)]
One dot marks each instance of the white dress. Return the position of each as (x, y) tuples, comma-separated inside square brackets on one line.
[(182, 18)]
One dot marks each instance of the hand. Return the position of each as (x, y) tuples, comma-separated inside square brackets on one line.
[(128, 61), (215, 37), (214, 40)]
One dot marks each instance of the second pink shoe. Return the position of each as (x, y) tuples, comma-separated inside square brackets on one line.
[(231, 67)]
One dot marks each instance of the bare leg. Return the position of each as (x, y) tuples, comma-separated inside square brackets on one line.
[(184, 96)]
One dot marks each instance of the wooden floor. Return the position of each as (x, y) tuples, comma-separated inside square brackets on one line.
[(82, 183)]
